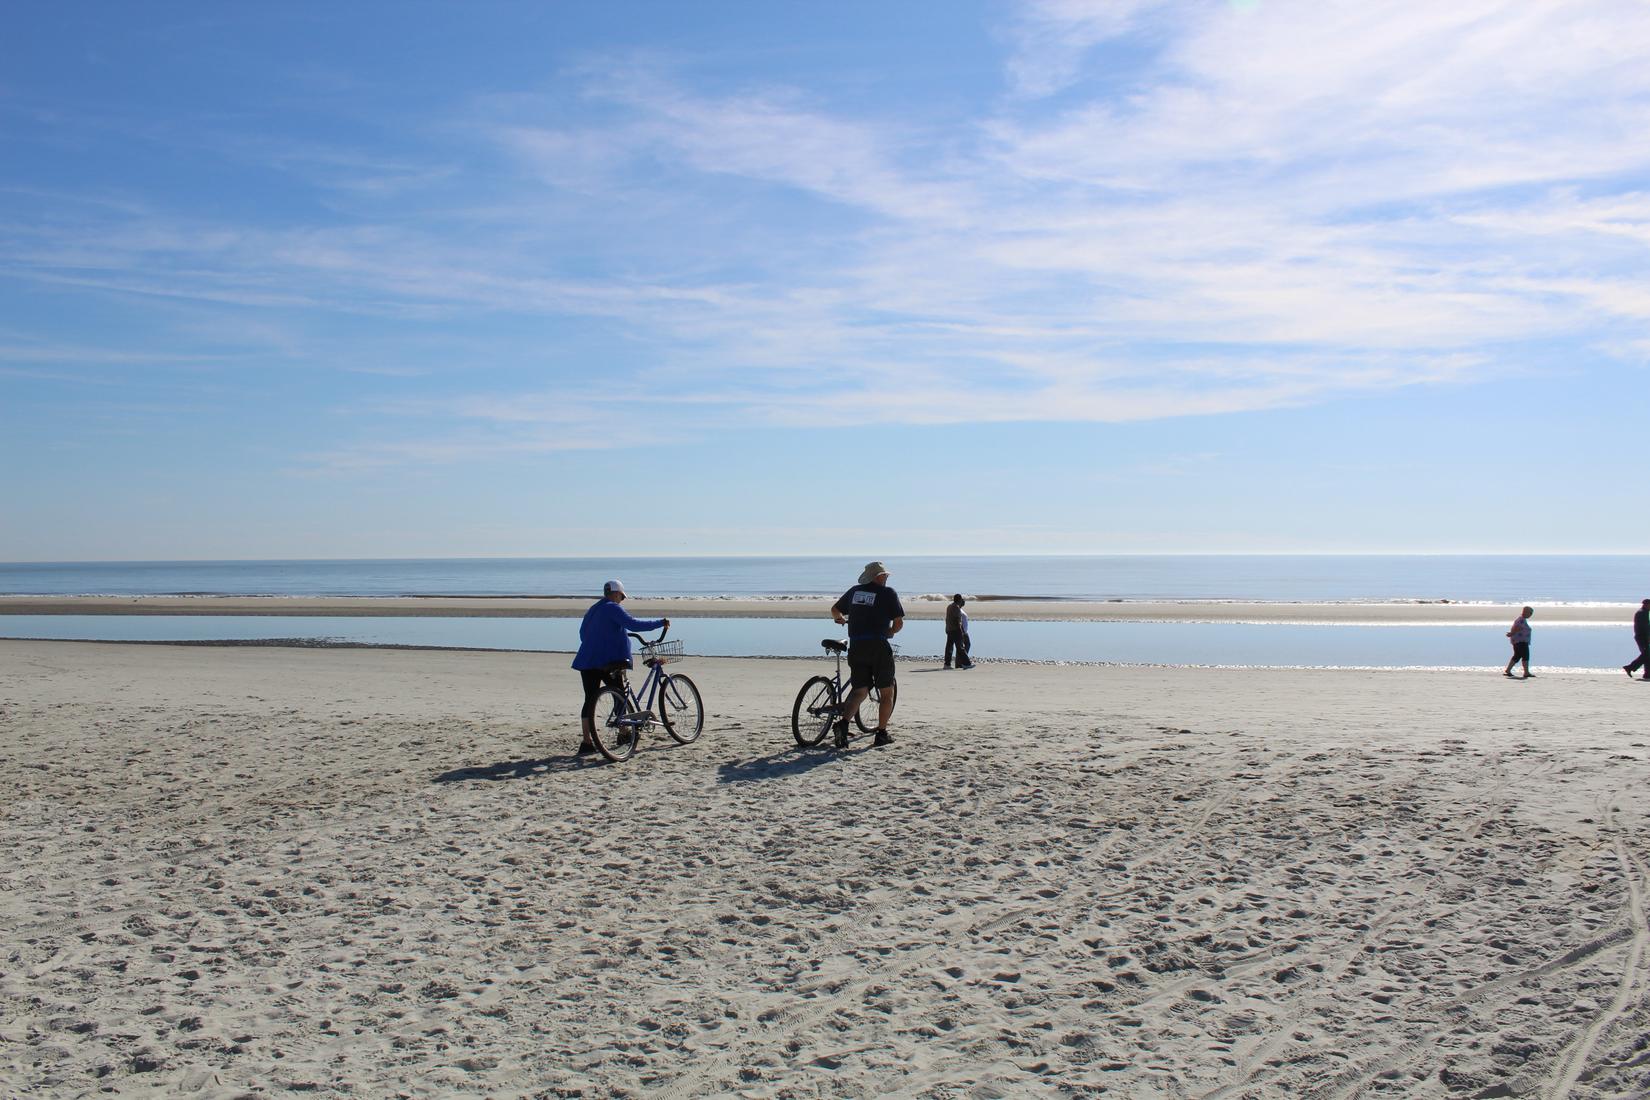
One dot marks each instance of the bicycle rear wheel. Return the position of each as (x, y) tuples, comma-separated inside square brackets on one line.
[(681, 709), (615, 738), (814, 711), (869, 711)]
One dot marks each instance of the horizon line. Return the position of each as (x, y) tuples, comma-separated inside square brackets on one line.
[(709, 556)]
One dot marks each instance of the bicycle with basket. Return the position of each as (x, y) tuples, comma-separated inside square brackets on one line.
[(667, 699)]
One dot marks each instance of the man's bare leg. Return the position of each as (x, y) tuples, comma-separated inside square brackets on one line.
[(849, 708), (885, 706)]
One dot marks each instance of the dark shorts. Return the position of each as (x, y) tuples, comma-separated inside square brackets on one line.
[(871, 664), (1521, 651)]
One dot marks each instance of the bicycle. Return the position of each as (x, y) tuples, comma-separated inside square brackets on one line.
[(819, 702), (622, 714)]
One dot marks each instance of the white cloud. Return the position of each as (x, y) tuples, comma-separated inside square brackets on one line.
[(1178, 209), (1414, 98)]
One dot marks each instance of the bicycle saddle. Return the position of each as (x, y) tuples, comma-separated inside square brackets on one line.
[(833, 645)]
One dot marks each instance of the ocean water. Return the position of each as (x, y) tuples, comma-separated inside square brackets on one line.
[(1272, 645), (1296, 578), (1544, 580)]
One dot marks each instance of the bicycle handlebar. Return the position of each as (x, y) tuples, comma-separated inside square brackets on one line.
[(643, 641)]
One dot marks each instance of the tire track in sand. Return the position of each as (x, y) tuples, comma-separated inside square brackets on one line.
[(1258, 1068), (1574, 1060), (777, 1023)]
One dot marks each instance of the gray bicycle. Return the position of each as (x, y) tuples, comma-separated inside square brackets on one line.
[(820, 701)]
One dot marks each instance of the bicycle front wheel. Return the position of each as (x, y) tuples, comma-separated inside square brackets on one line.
[(814, 711), (615, 736), (681, 709)]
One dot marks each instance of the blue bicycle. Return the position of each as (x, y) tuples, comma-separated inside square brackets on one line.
[(670, 700)]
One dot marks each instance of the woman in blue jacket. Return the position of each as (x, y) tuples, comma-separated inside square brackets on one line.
[(604, 648)]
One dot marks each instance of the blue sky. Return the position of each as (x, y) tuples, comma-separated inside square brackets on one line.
[(419, 279)]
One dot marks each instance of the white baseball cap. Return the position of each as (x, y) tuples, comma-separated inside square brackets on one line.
[(614, 586)]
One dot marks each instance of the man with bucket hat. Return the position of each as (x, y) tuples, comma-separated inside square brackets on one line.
[(873, 614)]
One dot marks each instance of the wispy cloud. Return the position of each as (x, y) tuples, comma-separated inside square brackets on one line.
[(1053, 38), (1174, 209)]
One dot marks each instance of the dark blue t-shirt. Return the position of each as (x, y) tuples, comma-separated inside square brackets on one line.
[(871, 610)]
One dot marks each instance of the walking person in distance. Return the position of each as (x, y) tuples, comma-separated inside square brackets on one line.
[(873, 614), (956, 633), (1641, 636), (1520, 636)]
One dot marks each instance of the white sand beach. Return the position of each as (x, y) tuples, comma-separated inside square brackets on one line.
[(254, 871)]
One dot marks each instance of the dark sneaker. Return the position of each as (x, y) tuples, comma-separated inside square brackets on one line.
[(882, 739), (840, 741), (586, 749)]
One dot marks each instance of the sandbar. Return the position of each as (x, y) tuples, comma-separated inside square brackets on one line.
[(983, 609)]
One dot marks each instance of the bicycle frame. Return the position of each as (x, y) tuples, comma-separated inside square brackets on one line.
[(641, 703), (836, 677)]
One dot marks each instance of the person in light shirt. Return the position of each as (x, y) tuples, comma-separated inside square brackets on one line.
[(1520, 637)]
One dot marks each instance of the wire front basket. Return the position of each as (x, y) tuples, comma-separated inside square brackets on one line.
[(663, 653)]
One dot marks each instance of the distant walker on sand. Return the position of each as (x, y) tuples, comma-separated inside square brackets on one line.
[(1520, 635), (1641, 636), (956, 633)]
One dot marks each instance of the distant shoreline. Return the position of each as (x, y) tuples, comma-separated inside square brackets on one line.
[(982, 608)]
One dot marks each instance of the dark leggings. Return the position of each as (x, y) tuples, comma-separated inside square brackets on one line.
[(595, 679)]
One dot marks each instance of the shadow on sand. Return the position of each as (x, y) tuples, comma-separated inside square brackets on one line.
[(520, 769), (775, 765)]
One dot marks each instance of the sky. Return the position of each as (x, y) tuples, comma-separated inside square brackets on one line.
[(417, 279)]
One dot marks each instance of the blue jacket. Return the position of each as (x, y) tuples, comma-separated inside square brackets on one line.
[(602, 637)]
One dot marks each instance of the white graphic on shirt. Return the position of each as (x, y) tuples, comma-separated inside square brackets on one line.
[(865, 599)]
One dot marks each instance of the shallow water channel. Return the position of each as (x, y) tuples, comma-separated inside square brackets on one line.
[(1272, 645)]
